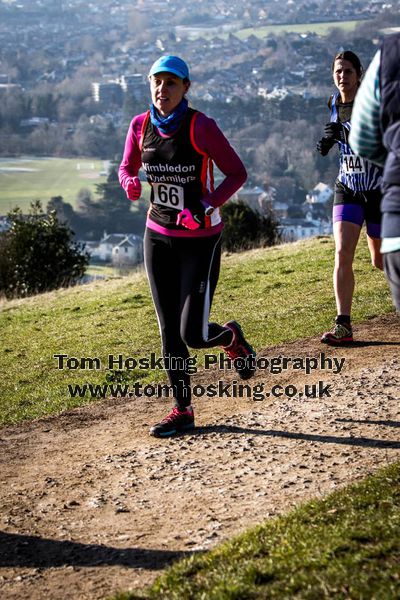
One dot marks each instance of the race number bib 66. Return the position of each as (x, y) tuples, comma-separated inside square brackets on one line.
[(352, 164), (168, 194)]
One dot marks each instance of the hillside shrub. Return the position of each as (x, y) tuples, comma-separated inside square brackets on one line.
[(38, 254), (244, 228)]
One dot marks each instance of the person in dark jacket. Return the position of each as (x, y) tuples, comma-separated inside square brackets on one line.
[(375, 135)]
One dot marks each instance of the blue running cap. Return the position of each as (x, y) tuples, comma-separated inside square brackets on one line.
[(170, 64)]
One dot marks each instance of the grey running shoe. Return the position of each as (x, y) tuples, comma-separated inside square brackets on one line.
[(340, 335)]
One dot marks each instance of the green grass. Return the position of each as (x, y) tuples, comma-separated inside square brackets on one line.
[(42, 178), (318, 28), (278, 294), (108, 271), (323, 28), (345, 546)]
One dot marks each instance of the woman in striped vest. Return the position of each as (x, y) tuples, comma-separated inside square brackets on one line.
[(357, 195)]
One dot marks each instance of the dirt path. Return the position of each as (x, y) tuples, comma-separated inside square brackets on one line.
[(91, 504)]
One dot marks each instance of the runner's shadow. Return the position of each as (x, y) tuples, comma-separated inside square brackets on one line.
[(308, 437), (18, 550), (371, 422)]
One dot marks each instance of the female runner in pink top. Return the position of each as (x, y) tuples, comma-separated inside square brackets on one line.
[(177, 146)]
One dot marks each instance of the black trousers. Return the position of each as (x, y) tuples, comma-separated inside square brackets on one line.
[(183, 274), (391, 261)]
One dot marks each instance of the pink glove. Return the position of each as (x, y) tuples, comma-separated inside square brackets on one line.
[(134, 189), (186, 219)]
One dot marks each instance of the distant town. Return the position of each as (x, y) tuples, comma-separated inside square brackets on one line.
[(51, 40), (72, 75)]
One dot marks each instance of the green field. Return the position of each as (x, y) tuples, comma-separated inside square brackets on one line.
[(318, 28), (107, 271), (23, 180)]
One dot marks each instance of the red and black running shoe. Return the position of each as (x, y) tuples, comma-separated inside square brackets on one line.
[(240, 352), (176, 421)]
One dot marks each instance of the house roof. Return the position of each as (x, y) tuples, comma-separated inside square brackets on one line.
[(321, 187), (126, 242), (116, 238)]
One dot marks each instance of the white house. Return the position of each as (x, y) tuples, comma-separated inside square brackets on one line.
[(105, 250), (257, 199), (127, 252), (300, 229), (276, 94), (320, 194)]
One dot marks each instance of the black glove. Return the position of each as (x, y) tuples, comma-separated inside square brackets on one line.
[(324, 145), (334, 131)]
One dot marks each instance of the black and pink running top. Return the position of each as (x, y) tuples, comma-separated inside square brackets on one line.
[(179, 169)]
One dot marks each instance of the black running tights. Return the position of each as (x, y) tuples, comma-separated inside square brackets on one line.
[(183, 274)]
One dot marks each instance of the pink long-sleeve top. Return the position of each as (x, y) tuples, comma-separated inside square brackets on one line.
[(209, 139)]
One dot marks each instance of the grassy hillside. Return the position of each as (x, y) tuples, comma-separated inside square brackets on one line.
[(344, 546), (278, 294), (25, 179)]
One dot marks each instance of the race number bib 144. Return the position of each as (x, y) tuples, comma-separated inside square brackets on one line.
[(168, 194), (352, 164)]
